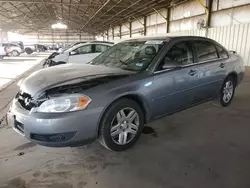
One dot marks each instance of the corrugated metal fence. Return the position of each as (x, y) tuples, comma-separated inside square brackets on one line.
[(235, 37)]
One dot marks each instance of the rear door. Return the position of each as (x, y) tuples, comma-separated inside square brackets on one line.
[(212, 69)]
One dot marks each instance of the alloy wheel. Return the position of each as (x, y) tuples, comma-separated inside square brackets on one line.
[(124, 126), (228, 91)]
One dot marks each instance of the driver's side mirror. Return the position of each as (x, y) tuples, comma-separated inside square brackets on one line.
[(171, 64), (73, 53)]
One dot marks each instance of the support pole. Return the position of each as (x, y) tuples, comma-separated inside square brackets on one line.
[(120, 31), (162, 17), (210, 5), (130, 29), (168, 19), (145, 25), (113, 33), (208, 11), (52, 37)]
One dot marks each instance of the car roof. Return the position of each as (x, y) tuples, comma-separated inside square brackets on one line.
[(166, 38), (87, 43), (104, 42)]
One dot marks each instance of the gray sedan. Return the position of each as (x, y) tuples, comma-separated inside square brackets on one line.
[(132, 83)]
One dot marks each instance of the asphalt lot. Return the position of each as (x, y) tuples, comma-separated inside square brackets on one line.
[(205, 146)]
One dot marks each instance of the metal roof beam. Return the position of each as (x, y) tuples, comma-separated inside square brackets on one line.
[(138, 13), (96, 13), (59, 3)]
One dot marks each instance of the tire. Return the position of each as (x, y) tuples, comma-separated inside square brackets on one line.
[(1, 56), (15, 53), (109, 118), (28, 50), (220, 100)]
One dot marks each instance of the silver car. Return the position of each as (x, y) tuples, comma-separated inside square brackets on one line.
[(132, 83)]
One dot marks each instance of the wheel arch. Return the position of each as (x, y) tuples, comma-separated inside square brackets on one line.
[(139, 99), (234, 75)]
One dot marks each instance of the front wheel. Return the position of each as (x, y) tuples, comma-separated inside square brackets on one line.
[(226, 94), (121, 125), (15, 53)]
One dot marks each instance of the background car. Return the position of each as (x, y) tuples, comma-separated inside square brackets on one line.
[(3, 51), (80, 53), (13, 49), (131, 84)]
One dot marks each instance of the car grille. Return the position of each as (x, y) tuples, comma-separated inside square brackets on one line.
[(60, 137), (25, 100)]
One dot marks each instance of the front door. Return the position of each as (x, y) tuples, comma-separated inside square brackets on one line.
[(83, 54), (175, 89)]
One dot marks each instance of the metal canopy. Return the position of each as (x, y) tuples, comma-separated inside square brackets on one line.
[(91, 16)]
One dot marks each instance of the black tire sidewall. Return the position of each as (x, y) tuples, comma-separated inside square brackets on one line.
[(108, 117), (223, 103)]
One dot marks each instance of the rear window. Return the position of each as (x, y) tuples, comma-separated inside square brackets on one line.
[(206, 50), (222, 53)]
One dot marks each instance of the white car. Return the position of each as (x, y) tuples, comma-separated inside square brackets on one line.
[(81, 53), (12, 49), (2, 51)]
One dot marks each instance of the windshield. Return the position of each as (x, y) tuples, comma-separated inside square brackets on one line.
[(133, 56)]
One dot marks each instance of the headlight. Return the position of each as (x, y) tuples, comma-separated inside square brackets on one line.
[(64, 104)]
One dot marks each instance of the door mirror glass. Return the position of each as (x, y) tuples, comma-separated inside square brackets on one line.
[(73, 53)]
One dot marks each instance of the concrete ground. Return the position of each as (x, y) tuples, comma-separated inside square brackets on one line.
[(12, 68), (205, 146)]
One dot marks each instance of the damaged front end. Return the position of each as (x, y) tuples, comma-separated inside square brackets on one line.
[(49, 62), (65, 91)]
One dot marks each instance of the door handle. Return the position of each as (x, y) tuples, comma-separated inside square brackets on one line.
[(192, 72), (222, 65)]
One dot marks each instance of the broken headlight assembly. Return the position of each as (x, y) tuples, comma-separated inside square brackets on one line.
[(67, 103)]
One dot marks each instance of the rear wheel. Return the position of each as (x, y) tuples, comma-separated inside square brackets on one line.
[(121, 125), (226, 94), (28, 50)]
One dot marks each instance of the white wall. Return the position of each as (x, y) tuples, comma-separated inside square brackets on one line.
[(186, 15)]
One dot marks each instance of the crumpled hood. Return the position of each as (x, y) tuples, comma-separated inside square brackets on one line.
[(64, 74)]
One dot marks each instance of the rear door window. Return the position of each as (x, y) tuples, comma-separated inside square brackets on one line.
[(205, 50), (222, 53), (99, 48)]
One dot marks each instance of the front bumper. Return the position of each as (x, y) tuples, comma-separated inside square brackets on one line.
[(55, 129), (240, 77)]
